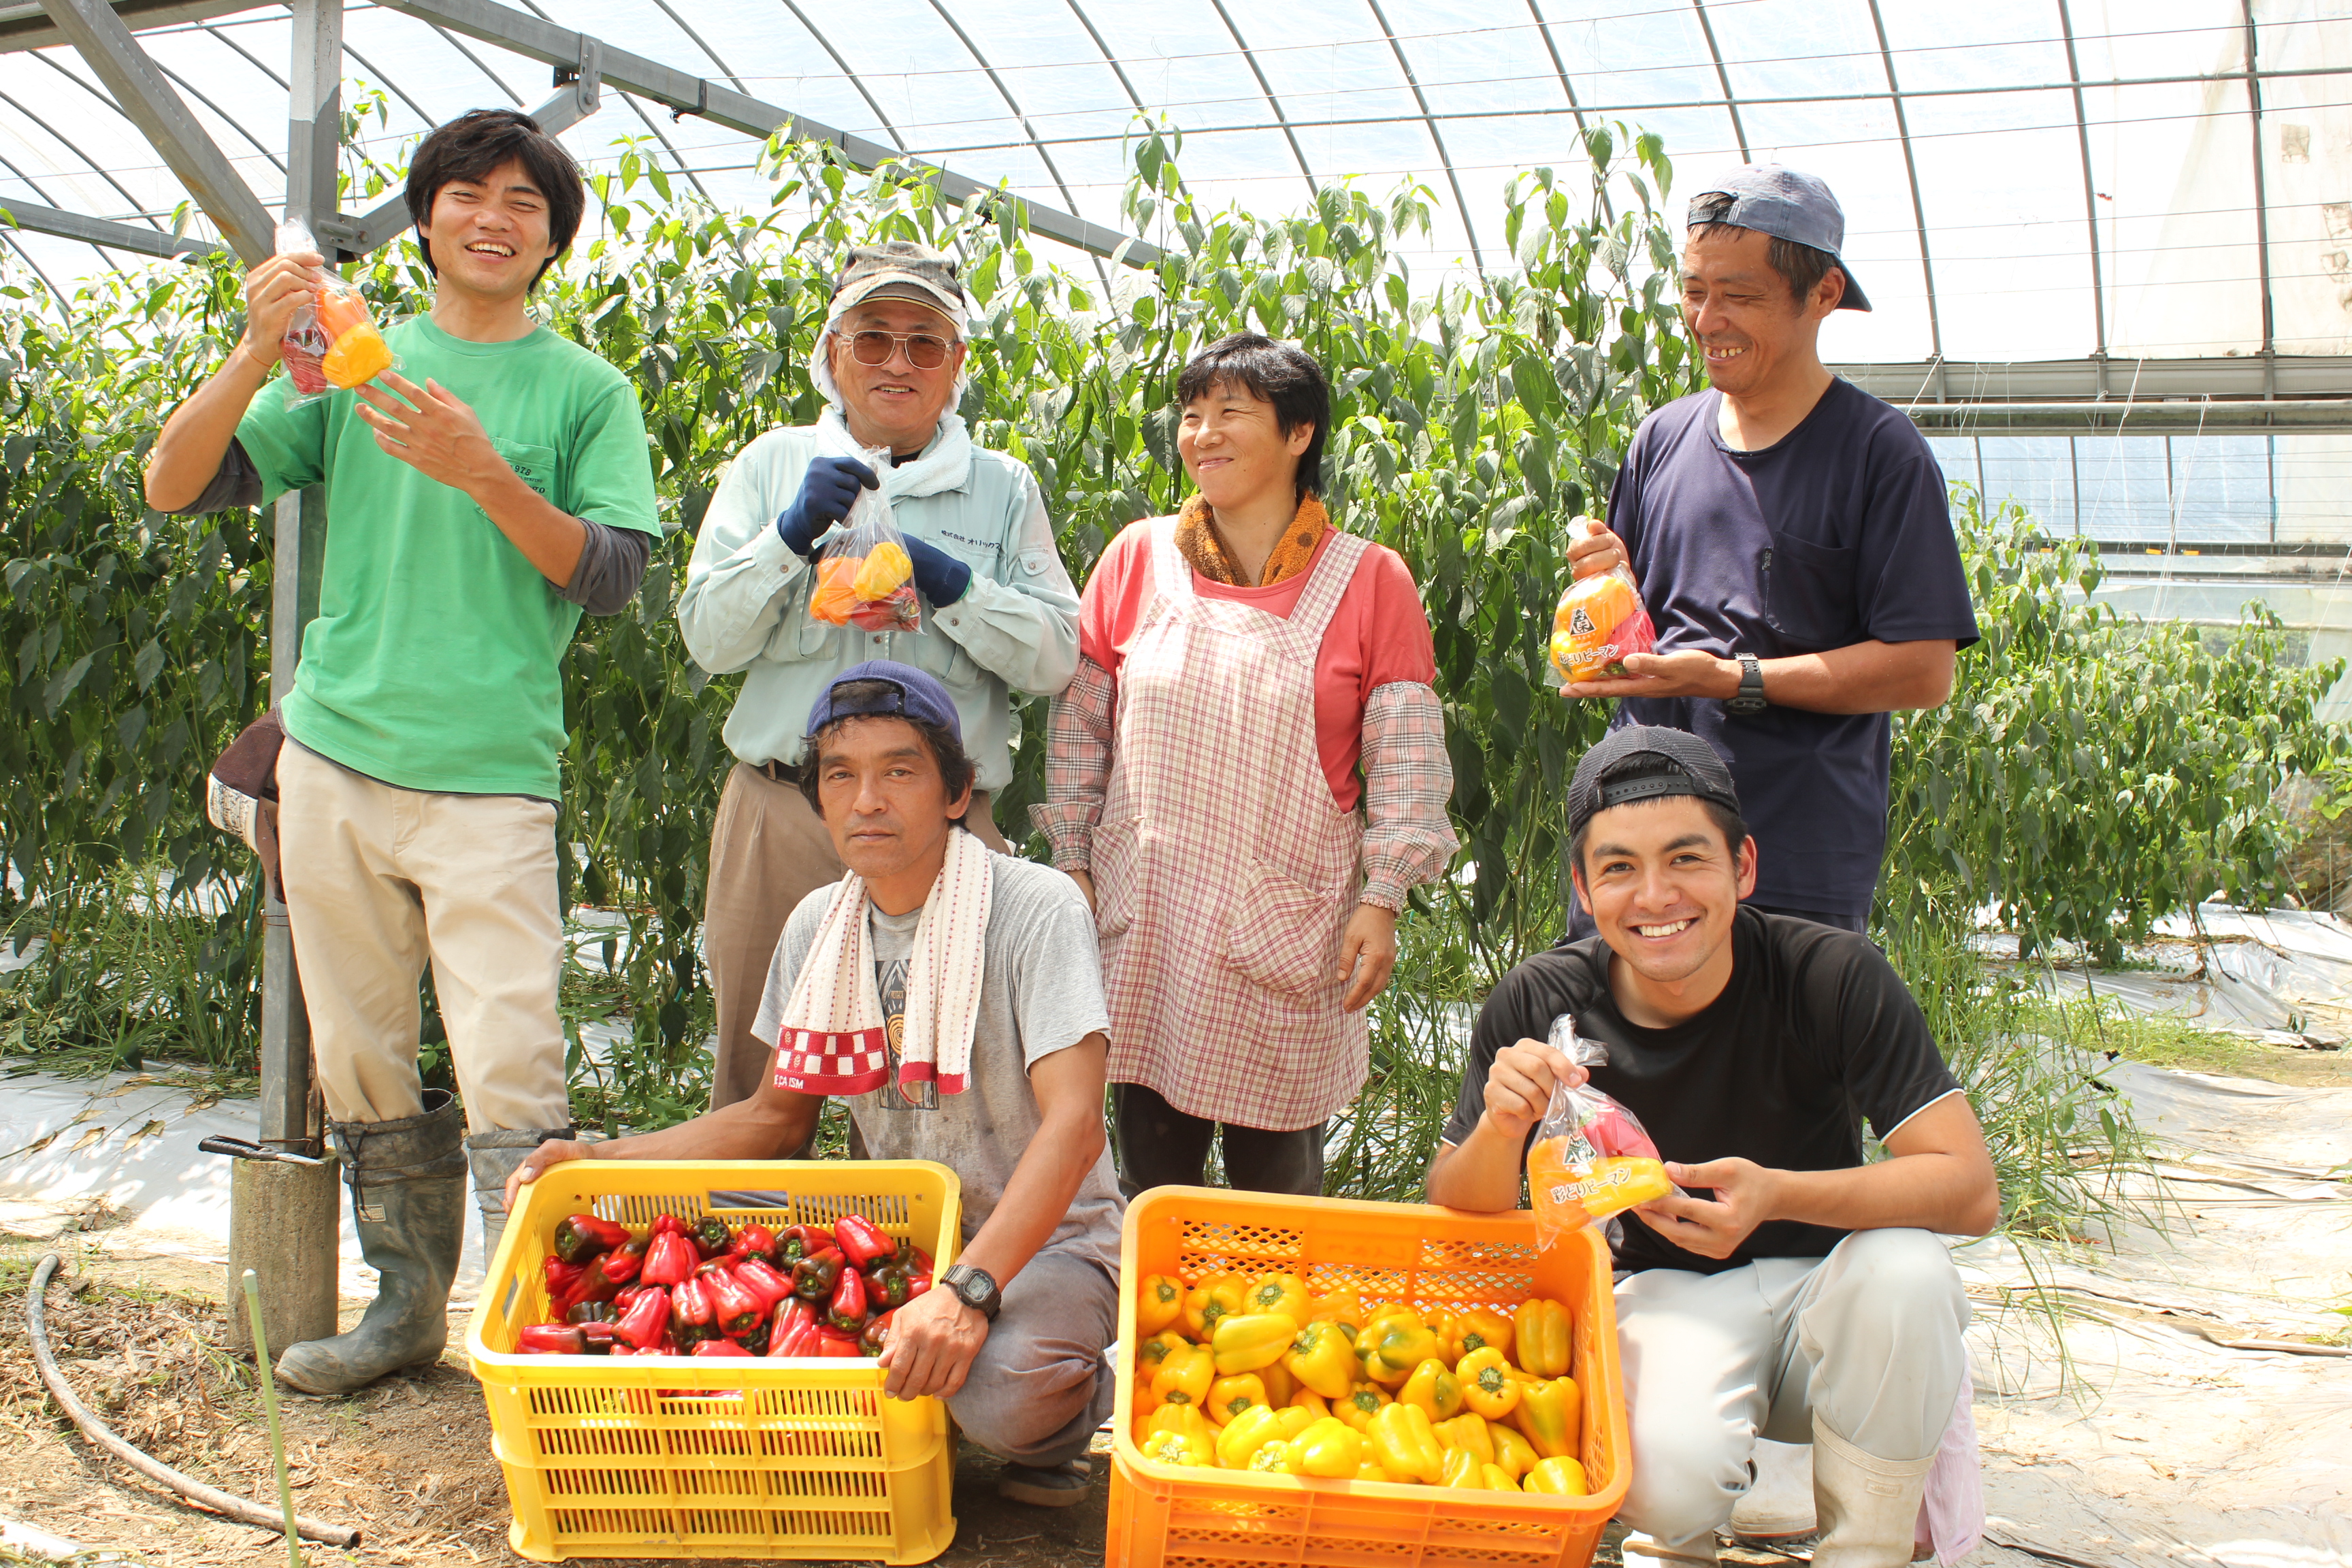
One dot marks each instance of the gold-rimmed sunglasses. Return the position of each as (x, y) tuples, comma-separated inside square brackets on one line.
[(925, 351)]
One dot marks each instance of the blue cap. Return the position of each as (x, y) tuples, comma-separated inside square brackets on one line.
[(910, 694), (1787, 204)]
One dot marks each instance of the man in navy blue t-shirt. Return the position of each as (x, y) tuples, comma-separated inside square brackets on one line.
[(1793, 542)]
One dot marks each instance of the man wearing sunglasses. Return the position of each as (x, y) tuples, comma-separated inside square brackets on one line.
[(999, 614)]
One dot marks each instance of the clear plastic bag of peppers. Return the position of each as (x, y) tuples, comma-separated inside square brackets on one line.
[(702, 1288)]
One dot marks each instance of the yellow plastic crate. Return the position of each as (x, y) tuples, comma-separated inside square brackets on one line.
[(1431, 1260), (674, 1456)]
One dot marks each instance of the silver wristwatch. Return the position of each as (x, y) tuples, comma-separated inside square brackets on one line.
[(1750, 698)]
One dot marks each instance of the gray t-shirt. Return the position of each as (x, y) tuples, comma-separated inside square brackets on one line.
[(1040, 992)]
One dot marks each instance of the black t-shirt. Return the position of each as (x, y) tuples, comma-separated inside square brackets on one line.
[(1835, 534), (1814, 1032)]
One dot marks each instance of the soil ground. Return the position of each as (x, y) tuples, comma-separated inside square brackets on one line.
[(408, 1462)]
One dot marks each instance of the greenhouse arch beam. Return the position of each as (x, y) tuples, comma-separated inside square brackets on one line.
[(25, 24), (1918, 207), (634, 74), (106, 44), (1281, 115), (1723, 78), (1558, 66), (855, 80), (1011, 103), (1437, 138), (2090, 187), (59, 224)]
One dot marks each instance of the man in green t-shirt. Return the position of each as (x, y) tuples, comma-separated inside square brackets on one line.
[(479, 497)]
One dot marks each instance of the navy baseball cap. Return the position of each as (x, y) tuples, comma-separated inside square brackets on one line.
[(898, 689), (1787, 205), (1646, 762)]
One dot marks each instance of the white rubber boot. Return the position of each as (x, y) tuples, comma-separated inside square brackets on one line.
[(1867, 1506), (1779, 1504)]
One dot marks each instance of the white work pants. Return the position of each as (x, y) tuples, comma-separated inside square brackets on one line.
[(1869, 1337), (378, 880)]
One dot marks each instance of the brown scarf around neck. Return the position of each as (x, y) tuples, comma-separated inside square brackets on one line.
[(1198, 541)]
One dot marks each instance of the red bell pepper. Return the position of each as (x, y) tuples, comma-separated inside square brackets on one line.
[(794, 1330), (666, 1225), (847, 1310), (592, 1312), (607, 1274), (602, 1339), (691, 1309), (559, 1275), (862, 1241), (754, 1275), (801, 1241), (553, 1338), (646, 1322), (887, 1284), (814, 1277), (738, 1310), (580, 1236), (719, 1348), (756, 1240), (671, 1261), (711, 1235), (875, 1334), (829, 1343)]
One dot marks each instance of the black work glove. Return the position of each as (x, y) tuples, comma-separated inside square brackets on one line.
[(938, 577), (827, 490)]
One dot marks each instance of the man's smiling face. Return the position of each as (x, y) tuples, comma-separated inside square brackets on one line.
[(1741, 312), (490, 237), (1663, 885), (897, 402)]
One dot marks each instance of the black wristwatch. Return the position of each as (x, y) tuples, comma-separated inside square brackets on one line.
[(1750, 696), (974, 1289)]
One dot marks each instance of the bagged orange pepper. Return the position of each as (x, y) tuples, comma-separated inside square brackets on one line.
[(1598, 621), (1591, 1157)]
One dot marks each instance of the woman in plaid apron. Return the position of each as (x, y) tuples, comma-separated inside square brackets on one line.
[(1247, 775)]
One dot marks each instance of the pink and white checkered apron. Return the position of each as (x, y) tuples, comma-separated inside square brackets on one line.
[(1223, 868)]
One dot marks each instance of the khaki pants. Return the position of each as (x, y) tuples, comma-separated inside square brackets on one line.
[(1867, 1338), (769, 850), (378, 880)]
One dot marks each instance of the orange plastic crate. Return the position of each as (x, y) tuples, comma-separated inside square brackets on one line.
[(673, 1457), (1429, 1258)]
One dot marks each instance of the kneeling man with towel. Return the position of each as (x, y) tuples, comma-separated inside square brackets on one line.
[(952, 996)]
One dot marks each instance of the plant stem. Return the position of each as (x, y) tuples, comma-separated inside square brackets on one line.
[(270, 1407)]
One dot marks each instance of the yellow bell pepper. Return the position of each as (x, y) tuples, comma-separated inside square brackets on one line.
[(1461, 1470), (1229, 1397), (1247, 1434), (1217, 1297), (1552, 1414), (1370, 1472), (1488, 1387), (1321, 1359), (1272, 1459), (1178, 1448), (1294, 1419), (1157, 1303), (1307, 1399), (1468, 1434), (1540, 1332), (1559, 1475), (1342, 1306), (1281, 1388), (1390, 1350), (1433, 1388), (1153, 1351), (1283, 1293), (1184, 1418), (1248, 1341), (1329, 1448), (1474, 1330), (1404, 1445), (1497, 1479), (1513, 1452), (1183, 1377), (1363, 1402)]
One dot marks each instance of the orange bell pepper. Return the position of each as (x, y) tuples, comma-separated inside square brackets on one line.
[(1159, 1303), (1215, 1299), (1341, 1306), (1229, 1397), (1183, 1378), (1476, 1330)]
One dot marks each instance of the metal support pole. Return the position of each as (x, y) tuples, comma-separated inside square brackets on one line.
[(283, 1217)]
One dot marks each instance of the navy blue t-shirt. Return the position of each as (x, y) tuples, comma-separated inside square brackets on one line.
[(1838, 534)]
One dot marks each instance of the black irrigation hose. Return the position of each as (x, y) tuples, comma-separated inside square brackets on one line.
[(97, 1431)]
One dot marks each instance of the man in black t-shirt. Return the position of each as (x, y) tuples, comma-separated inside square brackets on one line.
[(1795, 547), (1787, 1289)]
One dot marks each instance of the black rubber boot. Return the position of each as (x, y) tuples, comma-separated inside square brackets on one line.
[(495, 1157), (408, 1201)]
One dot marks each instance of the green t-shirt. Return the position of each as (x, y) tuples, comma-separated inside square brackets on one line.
[(434, 661)]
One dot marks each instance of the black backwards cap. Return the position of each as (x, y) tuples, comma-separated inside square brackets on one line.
[(1644, 762)]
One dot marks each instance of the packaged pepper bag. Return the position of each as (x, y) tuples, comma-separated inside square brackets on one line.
[(1591, 1158)]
